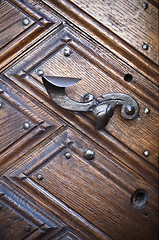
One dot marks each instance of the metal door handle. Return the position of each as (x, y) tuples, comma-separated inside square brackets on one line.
[(101, 107)]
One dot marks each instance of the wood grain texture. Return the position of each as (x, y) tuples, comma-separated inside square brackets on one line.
[(106, 37), (98, 78), (90, 189), (15, 111), (17, 37), (128, 20), (21, 218)]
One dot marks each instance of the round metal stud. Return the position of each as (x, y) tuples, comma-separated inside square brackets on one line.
[(88, 97), (146, 153), (0, 105), (67, 52), (130, 110), (28, 228), (145, 46), (89, 154), (26, 125), (145, 5), (39, 177), (26, 21), (146, 110), (40, 72), (68, 155)]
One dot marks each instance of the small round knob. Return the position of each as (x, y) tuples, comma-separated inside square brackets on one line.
[(88, 97), (130, 110), (89, 154)]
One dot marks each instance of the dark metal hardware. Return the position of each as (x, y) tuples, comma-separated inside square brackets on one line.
[(102, 107)]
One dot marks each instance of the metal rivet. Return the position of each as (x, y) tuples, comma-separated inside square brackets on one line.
[(1, 206), (145, 46), (26, 21), (89, 154), (88, 97), (0, 105), (145, 5), (146, 153), (130, 110), (146, 110), (39, 177), (140, 198), (68, 155), (40, 72), (28, 228), (67, 52), (26, 125)]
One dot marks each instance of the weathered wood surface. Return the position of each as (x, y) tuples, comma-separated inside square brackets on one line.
[(45, 193)]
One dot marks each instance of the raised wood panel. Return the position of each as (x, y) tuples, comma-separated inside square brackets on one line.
[(11, 122), (11, 23), (17, 110), (82, 191), (125, 51), (21, 219), (99, 76), (15, 35), (128, 20)]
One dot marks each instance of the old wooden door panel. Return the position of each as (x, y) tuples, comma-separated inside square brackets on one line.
[(129, 20), (21, 217), (96, 81), (23, 124), (87, 190), (48, 189), (106, 37), (22, 24)]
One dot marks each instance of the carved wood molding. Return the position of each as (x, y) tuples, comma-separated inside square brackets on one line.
[(46, 172), (106, 36), (38, 220), (24, 74), (38, 123), (40, 23)]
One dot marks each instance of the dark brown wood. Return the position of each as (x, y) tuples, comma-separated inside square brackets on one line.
[(48, 189)]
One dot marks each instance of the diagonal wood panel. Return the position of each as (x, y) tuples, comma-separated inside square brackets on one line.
[(22, 24), (87, 188), (98, 77)]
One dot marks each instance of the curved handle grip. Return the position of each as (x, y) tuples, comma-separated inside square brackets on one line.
[(102, 107)]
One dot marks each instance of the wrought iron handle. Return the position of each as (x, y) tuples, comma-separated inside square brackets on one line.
[(102, 107)]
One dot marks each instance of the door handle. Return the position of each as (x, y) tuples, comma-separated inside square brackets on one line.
[(102, 107)]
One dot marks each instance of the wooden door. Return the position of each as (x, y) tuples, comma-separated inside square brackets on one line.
[(61, 178)]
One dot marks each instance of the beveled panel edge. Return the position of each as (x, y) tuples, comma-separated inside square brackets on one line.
[(43, 127), (123, 152), (67, 38), (42, 25), (101, 33), (23, 206), (66, 141), (60, 209)]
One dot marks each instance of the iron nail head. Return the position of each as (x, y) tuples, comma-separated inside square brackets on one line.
[(89, 154), (26, 125), (28, 228), (146, 110), (145, 5), (68, 155), (26, 22), (146, 153), (67, 52), (145, 46), (39, 177), (40, 72)]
